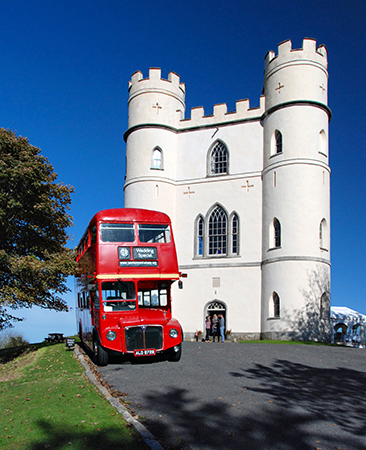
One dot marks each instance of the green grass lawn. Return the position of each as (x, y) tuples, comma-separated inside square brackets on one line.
[(46, 402)]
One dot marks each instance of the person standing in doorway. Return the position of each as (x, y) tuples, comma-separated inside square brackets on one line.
[(222, 327), (208, 328), (215, 328)]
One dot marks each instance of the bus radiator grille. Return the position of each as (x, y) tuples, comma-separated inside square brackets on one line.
[(138, 338)]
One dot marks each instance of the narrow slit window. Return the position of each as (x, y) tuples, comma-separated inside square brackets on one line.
[(235, 231)]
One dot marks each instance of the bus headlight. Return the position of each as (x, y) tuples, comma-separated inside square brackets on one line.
[(111, 335), (173, 333)]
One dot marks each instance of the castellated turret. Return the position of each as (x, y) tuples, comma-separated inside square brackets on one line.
[(248, 192), (295, 75), (155, 100)]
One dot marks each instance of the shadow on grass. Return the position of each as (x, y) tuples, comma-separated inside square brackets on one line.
[(291, 406), (58, 437), (9, 354)]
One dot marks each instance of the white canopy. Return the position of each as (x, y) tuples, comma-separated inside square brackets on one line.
[(344, 313)]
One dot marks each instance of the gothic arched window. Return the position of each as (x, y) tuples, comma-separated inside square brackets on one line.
[(157, 159), (219, 159), (323, 143), (276, 233), (217, 232), (276, 304), (199, 231), (323, 235), (278, 138)]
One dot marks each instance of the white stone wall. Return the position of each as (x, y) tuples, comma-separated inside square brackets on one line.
[(293, 186)]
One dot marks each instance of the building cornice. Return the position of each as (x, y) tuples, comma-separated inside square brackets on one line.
[(175, 130), (296, 259), (215, 265), (298, 103), (294, 161)]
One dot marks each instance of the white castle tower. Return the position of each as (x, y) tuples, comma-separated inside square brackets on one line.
[(296, 197), (155, 107), (248, 195)]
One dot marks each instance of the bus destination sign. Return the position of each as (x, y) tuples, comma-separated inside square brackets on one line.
[(145, 253)]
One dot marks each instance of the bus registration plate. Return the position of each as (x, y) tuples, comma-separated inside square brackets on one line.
[(147, 352)]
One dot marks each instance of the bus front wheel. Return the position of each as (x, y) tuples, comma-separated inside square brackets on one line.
[(175, 353), (100, 354)]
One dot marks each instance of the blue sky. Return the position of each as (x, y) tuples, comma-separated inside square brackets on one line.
[(64, 75)]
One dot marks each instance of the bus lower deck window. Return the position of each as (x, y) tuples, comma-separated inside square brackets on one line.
[(110, 306), (153, 297), (124, 290)]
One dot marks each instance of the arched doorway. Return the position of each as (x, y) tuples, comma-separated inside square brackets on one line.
[(340, 331), (216, 307)]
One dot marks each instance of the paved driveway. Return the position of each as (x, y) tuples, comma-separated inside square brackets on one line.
[(250, 396)]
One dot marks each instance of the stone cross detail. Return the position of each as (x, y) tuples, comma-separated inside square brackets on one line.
[(280, 86), (157, 106), (247, 186), (189, 192)]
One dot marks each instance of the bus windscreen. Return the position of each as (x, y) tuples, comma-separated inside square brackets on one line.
[(118, 296)]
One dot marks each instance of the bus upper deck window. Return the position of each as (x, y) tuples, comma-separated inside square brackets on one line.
[(117, 232), (154, 233)]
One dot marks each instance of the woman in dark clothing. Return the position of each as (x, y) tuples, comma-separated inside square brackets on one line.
[(215, 328), (208, 328)]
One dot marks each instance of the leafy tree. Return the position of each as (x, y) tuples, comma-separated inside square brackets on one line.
[(34, 262), (9, 339)]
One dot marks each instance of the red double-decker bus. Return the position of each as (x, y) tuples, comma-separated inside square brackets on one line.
[(127, 263)]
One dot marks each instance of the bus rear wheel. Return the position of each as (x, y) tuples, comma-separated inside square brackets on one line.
[(175, 353), (100, 354)]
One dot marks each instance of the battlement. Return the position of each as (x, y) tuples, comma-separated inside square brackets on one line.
[(155, 83), (286, 55), (221, 116)]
